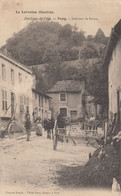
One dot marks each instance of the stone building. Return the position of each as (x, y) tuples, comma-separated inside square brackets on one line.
[(16, 83)]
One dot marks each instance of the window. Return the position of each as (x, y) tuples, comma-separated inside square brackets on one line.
[(73, 113), (27, 104), (3, 72), (19, 77), (4, 100), (35, 96), (21, 104), (84, 98), (24, 104), (62, 96), (46, 115), (27, 101), (40, 101), (63, 112), (12, 76), (45, 100)]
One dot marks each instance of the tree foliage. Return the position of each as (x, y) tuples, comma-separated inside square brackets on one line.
[(65, 32), (96, 82), (39, 42), (89, 52), (100, 36)]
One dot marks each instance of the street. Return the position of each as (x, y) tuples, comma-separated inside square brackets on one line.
[(33, 165)]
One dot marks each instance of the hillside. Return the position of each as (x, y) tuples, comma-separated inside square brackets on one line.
[(57, 52)]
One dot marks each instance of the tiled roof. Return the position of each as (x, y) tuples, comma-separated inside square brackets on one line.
[(67, 86), (40, 93)]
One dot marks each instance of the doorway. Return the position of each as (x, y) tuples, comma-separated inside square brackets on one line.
[(63, 112), (12, 103)]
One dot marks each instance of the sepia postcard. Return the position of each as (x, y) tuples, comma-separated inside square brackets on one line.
[(60, 97)]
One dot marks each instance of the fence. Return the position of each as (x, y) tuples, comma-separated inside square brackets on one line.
[(78, 129)]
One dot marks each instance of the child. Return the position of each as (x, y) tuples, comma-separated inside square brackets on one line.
[(39, 128)]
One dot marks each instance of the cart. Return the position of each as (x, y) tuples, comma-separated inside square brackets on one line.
[(62, 135), (9, 130), (59, 135)]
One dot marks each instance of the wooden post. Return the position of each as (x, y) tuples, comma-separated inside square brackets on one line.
[(119, 153), (105, 130)]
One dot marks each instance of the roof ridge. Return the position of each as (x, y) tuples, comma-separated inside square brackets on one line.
[(9, 58)]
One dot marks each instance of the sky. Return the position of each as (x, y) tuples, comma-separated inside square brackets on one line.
[(88, 15)]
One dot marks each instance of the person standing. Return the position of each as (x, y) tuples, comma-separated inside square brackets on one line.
[(52, 125), (60, 121), (39, 128), (28, 125), (49, 129)]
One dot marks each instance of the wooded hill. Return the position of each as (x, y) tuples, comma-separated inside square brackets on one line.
[(62, 52)]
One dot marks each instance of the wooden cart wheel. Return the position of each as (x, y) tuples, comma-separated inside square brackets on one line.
[(55, 142), (11, 130)]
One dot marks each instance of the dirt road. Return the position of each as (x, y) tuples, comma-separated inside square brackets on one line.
[(29, 168)]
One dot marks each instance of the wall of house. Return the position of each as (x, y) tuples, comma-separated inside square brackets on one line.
[(114, 80), (73, 103), (22, 89)]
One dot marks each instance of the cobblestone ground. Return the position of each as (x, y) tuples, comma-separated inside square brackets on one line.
[(29, 168)]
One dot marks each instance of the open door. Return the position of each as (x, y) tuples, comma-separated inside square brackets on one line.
[(63, 112)]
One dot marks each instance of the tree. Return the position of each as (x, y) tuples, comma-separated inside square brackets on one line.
[(69, 54), (97, 84), (89, 52), (77, 38), (65, 31), (75, 28), (90, 38), (100, 36)]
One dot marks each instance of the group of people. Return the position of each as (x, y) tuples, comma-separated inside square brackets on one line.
[(90, 123), (48, 125)]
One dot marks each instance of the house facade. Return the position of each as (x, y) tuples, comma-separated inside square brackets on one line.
[(41, 105), (67, 99), (16, 83), (113, 66)]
